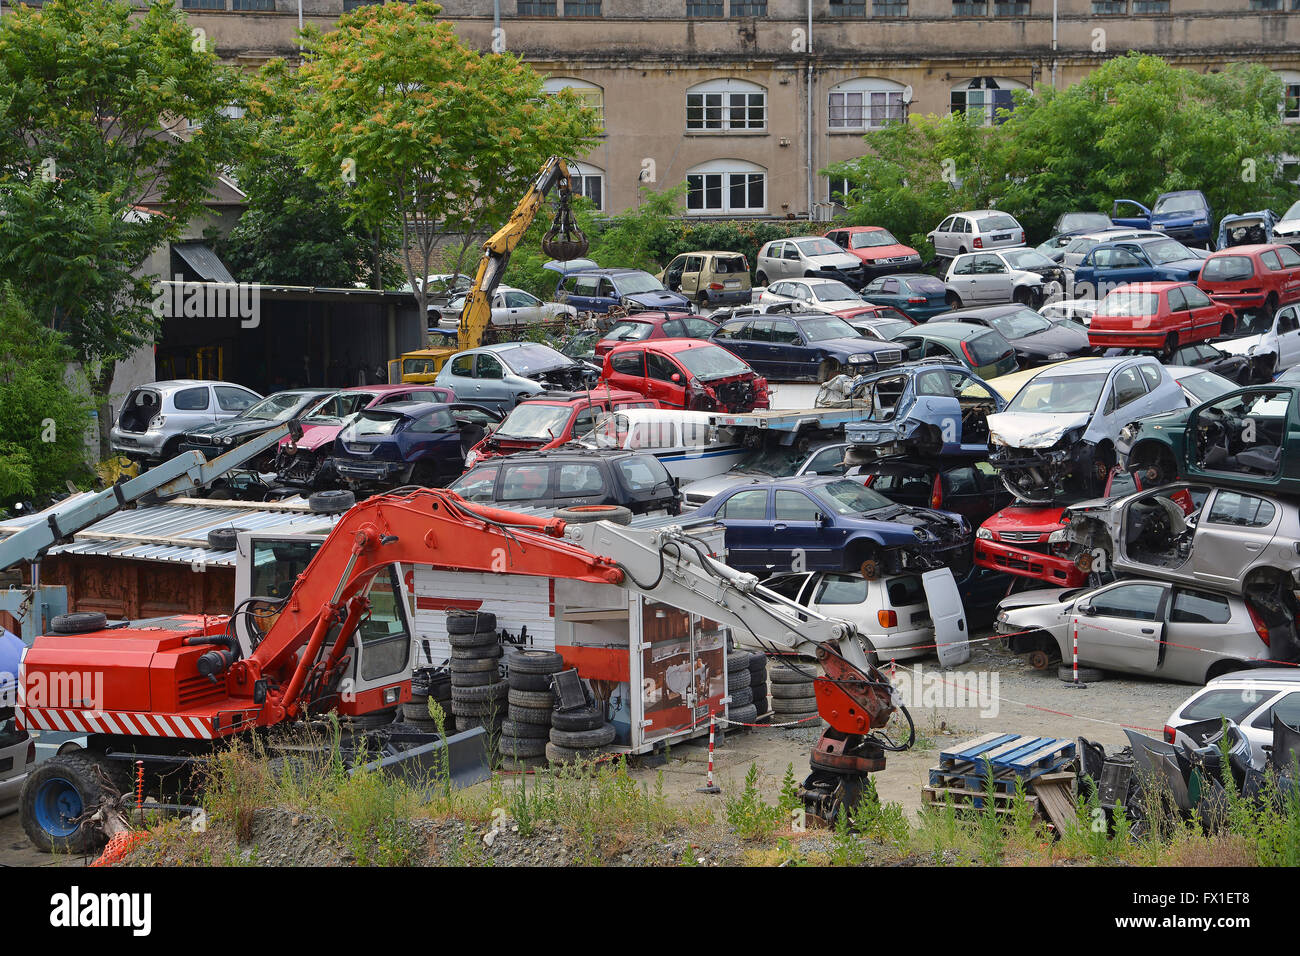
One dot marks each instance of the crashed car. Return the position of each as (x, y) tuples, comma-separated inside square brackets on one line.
[(927, 408), (1239, 439), (687, 374), (422, 443), (1061, 434), (551, 421), (215, 439), (834, 524), (504, 374), (1247, 229), (1270, 343)]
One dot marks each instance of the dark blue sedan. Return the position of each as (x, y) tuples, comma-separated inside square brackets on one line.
[(833, 524), (808, 347), (422, 443)]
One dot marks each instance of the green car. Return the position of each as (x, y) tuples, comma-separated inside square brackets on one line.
[(981, 349), (1239, 439)]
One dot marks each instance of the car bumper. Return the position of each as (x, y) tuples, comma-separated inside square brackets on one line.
[(372, 471), (209, 451), (147, 444), (1128, 338), (1049, 568), (728, 296)]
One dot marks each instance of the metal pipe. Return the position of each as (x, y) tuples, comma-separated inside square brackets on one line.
[(1054, 3), (809, 118)]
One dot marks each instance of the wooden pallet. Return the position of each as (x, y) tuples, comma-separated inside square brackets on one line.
[(964, 774), (935, 798)]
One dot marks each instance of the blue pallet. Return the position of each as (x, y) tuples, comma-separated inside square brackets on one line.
[(1009, 756)]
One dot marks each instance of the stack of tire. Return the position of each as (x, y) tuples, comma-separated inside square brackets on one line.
[(741, 687), (579, 735), (793, 696), (528, 728), (758, 681), (416, 711), (478, 692)]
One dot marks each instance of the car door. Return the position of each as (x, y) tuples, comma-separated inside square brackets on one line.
[(490, 380), (1196, 624), (792, 263), (754, 344), (992, 279), (1130, 212), (948, 614), (798, 541), (1233, 531), (627, 370), (942, 238), (936, 404), (744, 515), (673, 274), (790, 355), (1286, 326), (665, 380), (691, 276), (528, 482), (1123, 402), (1120, 627), (1205, 318), (963, 279)]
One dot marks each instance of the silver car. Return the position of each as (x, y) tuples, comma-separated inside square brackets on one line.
[(1219, 537), (975, 231), (803, 256), (1249, 699), (502, 375), (511, 307), (1141, 627), (154, 417), (775, 461)]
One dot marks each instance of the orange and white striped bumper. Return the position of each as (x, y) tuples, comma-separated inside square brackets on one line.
[(115, 722)]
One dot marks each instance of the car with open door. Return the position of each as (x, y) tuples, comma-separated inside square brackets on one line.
[(1271, 343), (421, 443), (688, 374), (1184, 214), (709, 279)]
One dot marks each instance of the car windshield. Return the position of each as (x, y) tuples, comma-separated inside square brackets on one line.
[(1206, 385), (818, 247), (868, 240), (276, 408), (1187, 203), (819, 330), (1060, 394), (1167, 250), (1129, 303), (1079, 221), (534, 421), (1228, 268), (1027, 259), (710, 362), (887, 330), (849, 498), (775, 462), (990, 223), (833, 292), (1017, 325), (527, 359), (634, 283), (629, 332)]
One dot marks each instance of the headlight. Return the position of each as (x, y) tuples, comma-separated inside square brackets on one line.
[(984, 534), (227, 441), (861, 358), (471, 459), (1056, 536), (1157, 225), (1201, 222)]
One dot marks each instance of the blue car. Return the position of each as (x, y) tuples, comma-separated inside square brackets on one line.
[(802, 346), (927, 409), (1184, 215), (1110, 265), (919, 297), (421, 443), (599, 290), (833, 524)]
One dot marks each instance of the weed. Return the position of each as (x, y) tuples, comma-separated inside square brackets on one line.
[(748, 815)]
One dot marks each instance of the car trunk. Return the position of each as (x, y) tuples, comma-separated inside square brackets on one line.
[(140, 407)]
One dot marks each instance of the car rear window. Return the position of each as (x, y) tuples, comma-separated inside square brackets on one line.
[(905, 591), (729, 265), (927, 286), (1233, 703), (375, 423), (991, 223), (629, 332), (987, 348), (1228, 268)]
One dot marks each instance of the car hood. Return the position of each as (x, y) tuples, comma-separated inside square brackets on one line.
[(835, 260), (708, 487), (316, 436), (1059, 338), (1040, 518), (1033, 429), (658, 300), (1035, 598), (899, 517), (1286, 227), (1240, 346), (852, 346), (883, 252)]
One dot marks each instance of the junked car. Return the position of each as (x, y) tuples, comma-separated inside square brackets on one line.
[(877, 248), (804, 347), (1287, 228), (505, 374), (1246, 229), (686, 442), (770, 461), (1183, 214), (1250, 699), (881, 322), (812, 256), (551, 421), (219, 437), (510, 308), (1111, 265), (599, 290), (982, 350), (1035, 339), (1073, 253), (153, 419), (976, 230), (1167, 630), (686, 373), (963, 486), (919, 297), (1158, 315), (1252, 278), (1270, 342), (821, 295), (1061, 434), (422, 443), (1003, 275), (709, 278), (642, 326)]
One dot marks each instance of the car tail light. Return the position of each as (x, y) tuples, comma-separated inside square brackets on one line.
[(887, 618), (965, 350), (936, 495), (1260, 627), (870, 480), (715, 286), (978, 243), (916, 300), (1022, 237), (1170, 733)]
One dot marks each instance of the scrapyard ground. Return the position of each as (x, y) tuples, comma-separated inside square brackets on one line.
[(689, 827)]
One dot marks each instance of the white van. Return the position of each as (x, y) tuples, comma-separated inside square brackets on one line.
[(689, 446)]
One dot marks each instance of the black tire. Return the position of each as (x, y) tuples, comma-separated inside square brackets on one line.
[(743, 715), (1087, 675), (487, 652), (525, 731), (485, 665), (742, 697), (793, 705), (584, 739), (332, 502), (760, 698), (564, 755), (531, 698), (792, 718), (738, 680), (412, 711), (80, 622), (531, 715), (425, 725), (535, 662), (757, 663), (461, 680), (473, 695), (224, 539), (531, 682), (471, 622), (475, 639), (482, 710), (953, 300), (792, 691), (56, 792), (587, 718), (781, 674), (466, 722), (586, 514), (520, 747), (737, 660)]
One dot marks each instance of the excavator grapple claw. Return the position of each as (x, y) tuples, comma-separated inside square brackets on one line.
[(564, 240)]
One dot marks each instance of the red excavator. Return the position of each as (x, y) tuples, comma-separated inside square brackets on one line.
[(173, 689)]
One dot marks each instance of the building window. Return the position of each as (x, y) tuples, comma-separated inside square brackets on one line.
[(725, 105), (252, 4), (749, 8), (969, 8), (1291, 97), (588, 181), (1109, 8), (589, 93), (203, 4), (1265, 5), (865, 105), (983, 98), (582, 8), (721, 189), (838, 190), (1150, 6), (889, 8), (848, 8), (536, 8), (1011, 8), (704, 8)]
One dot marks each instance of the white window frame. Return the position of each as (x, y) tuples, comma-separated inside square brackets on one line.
[(1290, 95), (719, 178), (986, 104), (581, 174), (591, 94), (721, 103), (865, 103)]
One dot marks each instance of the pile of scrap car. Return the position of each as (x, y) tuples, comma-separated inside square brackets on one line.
[(1111, 468)]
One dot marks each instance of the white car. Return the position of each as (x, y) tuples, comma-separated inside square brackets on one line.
[(812, 256), (511, 307), (823, 295), (976, 230), (893, 613), (1013, 275), (1287, 229), (1200, 384), (1248, 698), (17, 757), (1080, 310), (1272, 345)]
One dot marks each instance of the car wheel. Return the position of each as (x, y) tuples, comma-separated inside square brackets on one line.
[(1171, 342), (953, 300), (1022, 296), (1229, 323), (761, 279), (332, 502)]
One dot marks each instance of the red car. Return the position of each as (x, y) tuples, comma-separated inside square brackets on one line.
[(551, 420), (645, 326), (307, 462), (872, 319), (1252, 277), (687, 374), (1158, 315), (880, 252)]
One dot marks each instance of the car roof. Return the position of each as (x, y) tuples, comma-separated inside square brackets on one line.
[(709, 252), (409, 409), (988, 310), (1253, 249), (582, 454), (949, 330), (813, 280), (983, 212), (1280, 675), (617, 271), (389, 389), (666, 345), (1130, 287), (583, 398)]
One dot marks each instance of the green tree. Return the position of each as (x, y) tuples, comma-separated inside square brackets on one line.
[(94, 104), (425, 132), (44, 412)]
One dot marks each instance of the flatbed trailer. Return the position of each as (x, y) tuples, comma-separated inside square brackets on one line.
[(791, 424)]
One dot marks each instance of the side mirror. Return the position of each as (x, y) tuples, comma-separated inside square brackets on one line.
[(1087, 610)]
